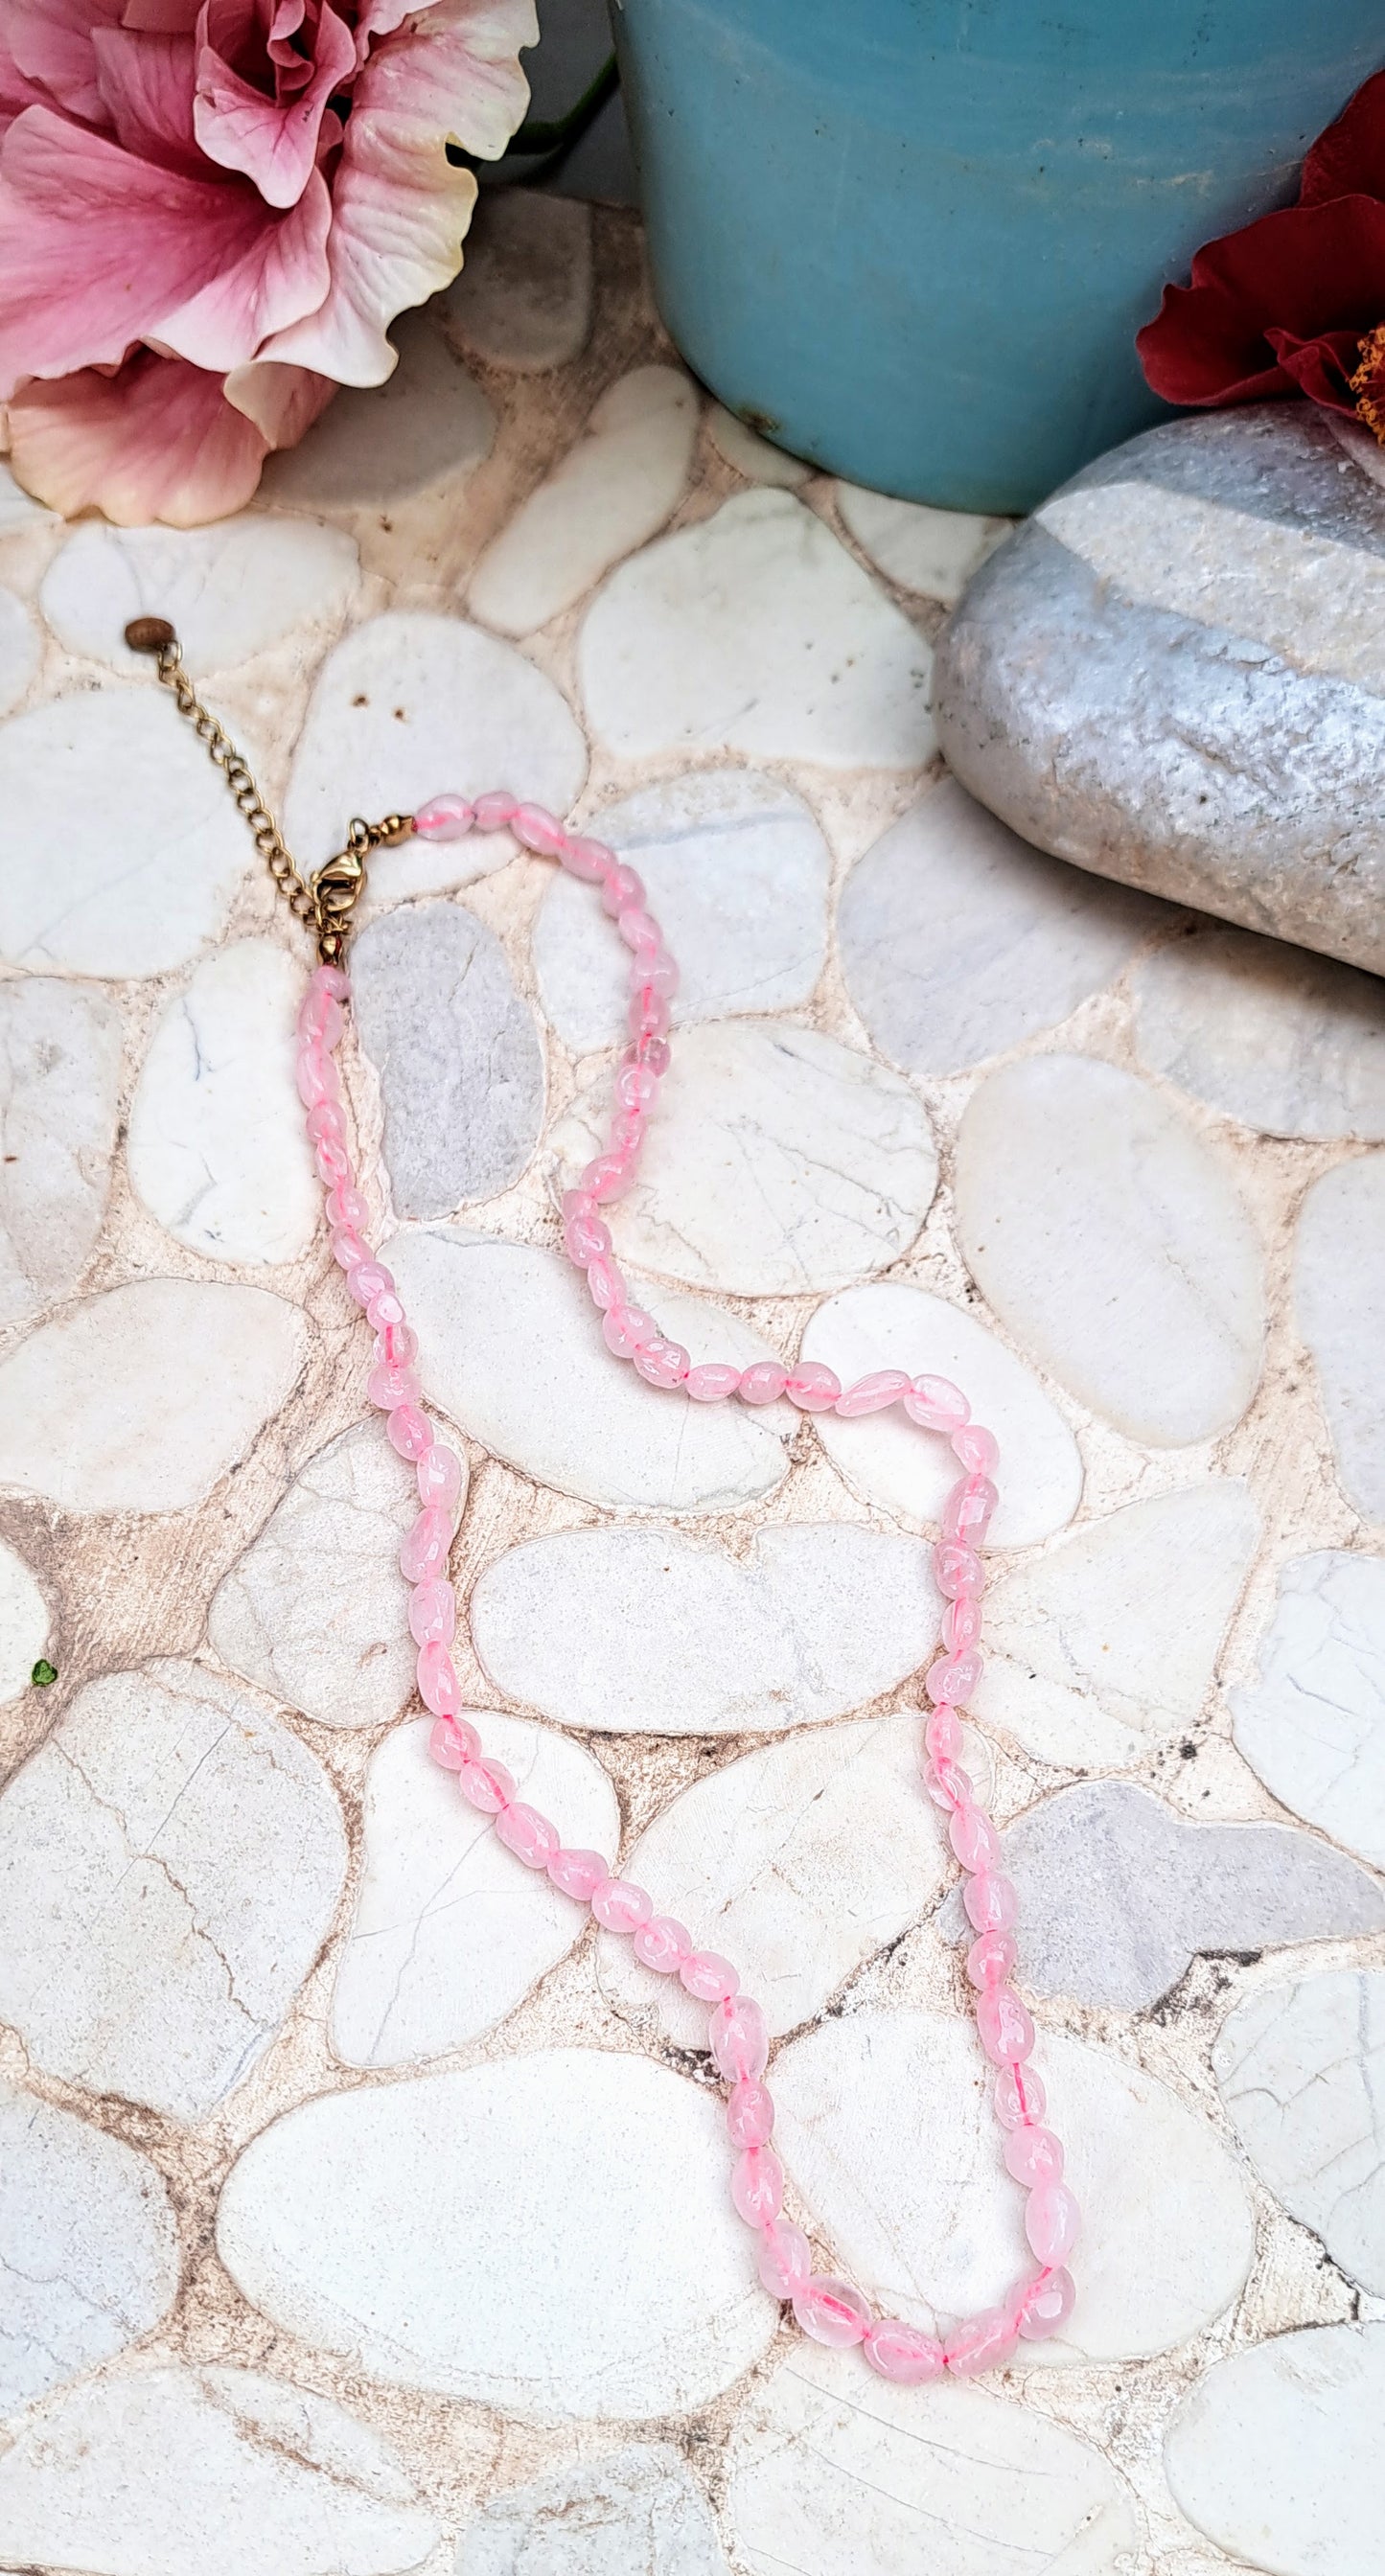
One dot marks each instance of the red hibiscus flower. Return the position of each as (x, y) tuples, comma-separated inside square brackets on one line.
[(1293, 304)]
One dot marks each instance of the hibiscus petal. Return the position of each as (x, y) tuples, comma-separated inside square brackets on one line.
[(1306, 271), (1348, 158), (47, 45), (399, 207), (283, 402), (275, 144), (146, 89), (1319, 367), (157, 440)]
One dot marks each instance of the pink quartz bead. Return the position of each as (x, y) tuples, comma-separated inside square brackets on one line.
[(444, 818), (385, 1310), (983, 2343), (961, 1624), (935, 1404), (750, 2115), (990, 1902), (433, 1613), (538, 830), (651, 1051), (620, 1906), (978, 1450), (622, 889), (318, 1078), (487, 1785), (712, 1381), (757, 2186), (1019, 2097), (656, 973), (577, 1873), (763, 1383), (321, 1019), (662, 1944), (346, 1207), (527, 1834), (813, 1388), (947, 1784), (409, 1431), (974, 1839), (662, 1363), (991, 1959), (648, 1015), (1003, 2026), (331, 980), (959, 1572), (326, 1124), (944, 1733), (785, 2259), (397, 1343), (438, 1686), (872, 1394), (968, 1509), (607, 1176), (904, 2353), (605, 1284), (1033, 2156), (953, 1677), (439, 1474), (636, 1086), (585, 1238), (638, 927), (590, 861), (625, 1328), (349, 1249), (738, 2039), (1047, 2306), (426, 1544), (368, 1280), (453, 1743), (1052, 2222), (709, 1977), (331, 1162), (392, 1383), (627, 1134), (493, 812), (830, 2310)]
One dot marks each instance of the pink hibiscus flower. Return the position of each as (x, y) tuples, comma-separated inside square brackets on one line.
[(210, 211)]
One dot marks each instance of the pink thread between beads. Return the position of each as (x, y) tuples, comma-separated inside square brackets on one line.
[(829, 2309)]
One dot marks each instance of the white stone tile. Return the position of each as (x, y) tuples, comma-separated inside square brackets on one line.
[(451, 1930), (316, 1611), (1339, 1296), (1301, 2069), (889, 1324), (573, 1416), (1275, 2454), (207, 2472), (124, 847), (736, 871), (1312, 1723), (753, 456), (632, 2510), (612, 491), (17, 507), (571, 2288), (1111, 1241), (1284, 1041), (458, 1056), (755, 632), (88, 2247), (140, 1399), (831, 2469), (170, 1859), (778, 1160), (24, 1624), (931, 551), (524, 297), (1111, 1640), (231, 590), (643, 1630), (216, 1146), (59, 1086), (958, 939), (412, 706), (932, 2227), (797, 1862), (426, 429), (18, 650)]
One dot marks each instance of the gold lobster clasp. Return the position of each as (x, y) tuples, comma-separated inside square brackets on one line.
[(337, 886)]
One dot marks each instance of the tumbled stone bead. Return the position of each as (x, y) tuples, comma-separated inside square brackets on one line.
[(628, 1132), (350, 1250), (527, 1834), (625, 1328), (707, 1976), (1019, 2097), (638, 927), (757, 2186), (947, 1784), (606, 1177), (453, 1742), (957, 1570), (738, 2039), (648, 1015), (493, 812), (978, 1450), (438, 1686), (663, 1944), (1046, 2307), (325, 1122), (962, 1624), (444, 818), (537, 830), (588, 860), (636, 1086), (621, 1906), (331, 1162), (425, 1547), (317, 1077), (330, 979), (785, 2258), (662, 1363), (366, 1281), (605, 1284), (968, 1511), (585, 1238), (487, 1785), (935, 1404), (813, 1388), (1003, 2026), (433, 1613), (903, 2353), (872, 1394), (830, 2310), (398, 1344), (953, 1677), (321, 1019), (439, 1472), (1052, 2222), (347, 1207), (991, 1958), (763, 1383), (655, 974), (577, 1873), (1033, 2155), (409, 1431), (974, 1840), (983, 2343), (750, 2114), (990, 1902), (711, 1382), (621, 889), (651, 1051), (391, 1384), (943, 1734)]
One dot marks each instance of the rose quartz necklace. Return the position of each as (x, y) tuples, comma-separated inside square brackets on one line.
[(828, 2308)]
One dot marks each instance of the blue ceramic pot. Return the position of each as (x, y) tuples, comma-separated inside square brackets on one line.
[(914, 239)]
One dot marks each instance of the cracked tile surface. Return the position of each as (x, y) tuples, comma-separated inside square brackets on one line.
[(88, 2247)]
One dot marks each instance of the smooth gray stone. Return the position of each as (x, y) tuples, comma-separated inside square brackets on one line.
[(461, 1072), (631, 2513), (1186, 688), (1117, 1894)]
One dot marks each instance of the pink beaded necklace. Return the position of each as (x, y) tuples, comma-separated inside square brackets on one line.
[(828, 2308)]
